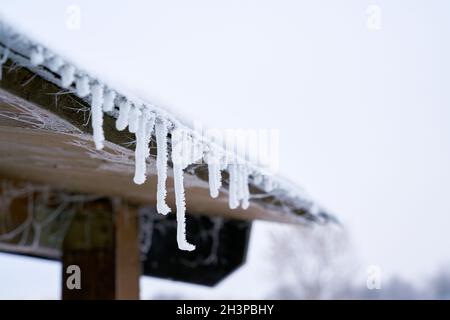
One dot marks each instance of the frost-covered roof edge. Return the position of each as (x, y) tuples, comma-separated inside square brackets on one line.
[(142, 118)]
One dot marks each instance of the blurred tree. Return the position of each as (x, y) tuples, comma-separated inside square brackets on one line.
[(440, 284), (319, 263), (311, 262)]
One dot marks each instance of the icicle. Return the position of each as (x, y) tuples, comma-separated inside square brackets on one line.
[(140, 150), (67, 75), (82, 85), (55, 63), (178, 166), (233, 185), (214, 174), (97, 115), (240, 182), (3, 60), (149, 126), (161, 165), (181, 210), (238, 186), (215, 179), (108, 104), (244, 188), (148, 131), (36, 56), (133, 119), (124, 112), (143, 134)]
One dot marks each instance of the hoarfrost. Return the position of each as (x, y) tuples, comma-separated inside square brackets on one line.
[(97, 115), (161, 131)]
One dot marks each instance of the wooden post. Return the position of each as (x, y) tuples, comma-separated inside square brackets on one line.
[(103, 242), (128, 264)]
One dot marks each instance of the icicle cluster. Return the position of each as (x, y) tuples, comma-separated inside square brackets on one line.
[(143, 121)]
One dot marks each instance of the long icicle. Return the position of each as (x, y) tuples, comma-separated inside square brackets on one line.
[(139, 152), (161, 165), (178, 166), (97, 115)]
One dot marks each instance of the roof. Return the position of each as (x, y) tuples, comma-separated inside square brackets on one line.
[(106, 103)]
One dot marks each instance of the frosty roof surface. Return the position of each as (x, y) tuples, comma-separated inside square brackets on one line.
[(106, 55)]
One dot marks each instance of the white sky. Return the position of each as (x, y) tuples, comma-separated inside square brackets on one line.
[(363, 114)]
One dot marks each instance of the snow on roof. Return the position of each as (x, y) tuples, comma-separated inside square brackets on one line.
[(142, 118)]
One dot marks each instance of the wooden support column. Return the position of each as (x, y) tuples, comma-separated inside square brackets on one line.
[(128, 264), (103, 242)]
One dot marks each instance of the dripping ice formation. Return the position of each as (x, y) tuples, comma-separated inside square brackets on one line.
[(143, 119), (161, 131), (143, 135), (214, 173), (108, 100), (182, 156), (124, 109), (97, 115)]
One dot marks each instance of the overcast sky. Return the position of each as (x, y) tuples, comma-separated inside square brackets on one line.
[(359, 91)]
